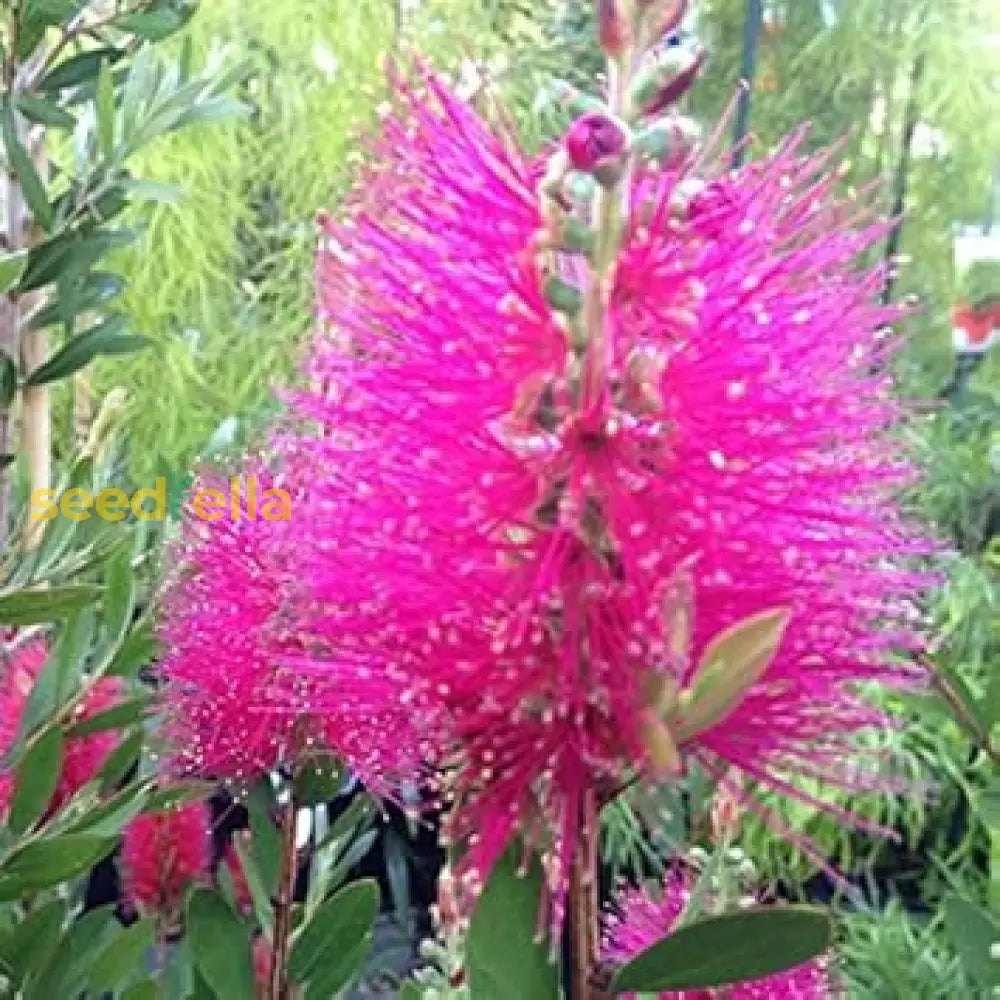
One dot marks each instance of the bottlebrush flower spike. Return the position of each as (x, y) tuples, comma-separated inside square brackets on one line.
[(638, 920), (163, 853), (82, 755), (18, 673), (490, 532), (239, 621)]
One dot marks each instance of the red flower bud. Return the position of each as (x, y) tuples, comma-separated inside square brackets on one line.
[(596, 145), (668, 77), (612, 27)]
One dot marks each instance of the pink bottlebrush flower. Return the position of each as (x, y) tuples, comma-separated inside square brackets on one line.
[(18, 673), (502, 532), (84, 756), (238, 619), (638, 920), (163, 853)]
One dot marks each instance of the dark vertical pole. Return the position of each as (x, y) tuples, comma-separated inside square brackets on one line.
[(752, 25), (895, 237)]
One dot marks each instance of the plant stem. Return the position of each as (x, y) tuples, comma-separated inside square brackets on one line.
[(583, 906), (280, 987)]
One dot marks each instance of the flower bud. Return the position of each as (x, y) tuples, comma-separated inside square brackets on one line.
[(667, 77), (562, 296), (669, 141), (661, 747), (596, 145), (612, 27)]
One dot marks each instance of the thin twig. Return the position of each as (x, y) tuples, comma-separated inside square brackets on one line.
[(279, 989)]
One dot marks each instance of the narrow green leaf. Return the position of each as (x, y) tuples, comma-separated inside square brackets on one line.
[(266, 844), (72, 254), (23, 167), (78, 69), (124, 714), (214, 109), (220, 945), (988, 805), (146, 990), (109, 818), (733, 662), (96, 290), (104, 108), (338, 970), (178, 794), (747, 944), (48, 862), (121, 957), (156, 25), (65, 976), (37, 778), (43, 112), (45, 13), (138, 649), (154, 191), (120, 761), (105, 338), (30, 946), (12, 267), (972, 934), (507, 912), (338, 926), (119, 594), (33, 607), (8, 380)]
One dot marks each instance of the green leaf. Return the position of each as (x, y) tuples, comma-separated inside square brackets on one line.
[(146, 990), (154, 191), (104, 108), (338, 926), (46, 13), (119, 594), (338, 970), (65, 975), (743, 945), (138, 649), (78, 69), (178, 794), (120, 716), (121, 957), (30, 946), (119, 762), (47, 862), (318, 780), (266, 843), (972, 934), (108, 818), (72, 254), (8, 380), (214, 109), (105, 338), (156, 25), (27, 175), (43, 112), (12, 267), (220, 946), (988, 805), (503, 959), (96, 290), (410, 991), (733, 662), (37, 778), (37, 606)]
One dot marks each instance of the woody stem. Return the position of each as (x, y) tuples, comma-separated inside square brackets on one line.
[(583, 905), (279, 986)]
